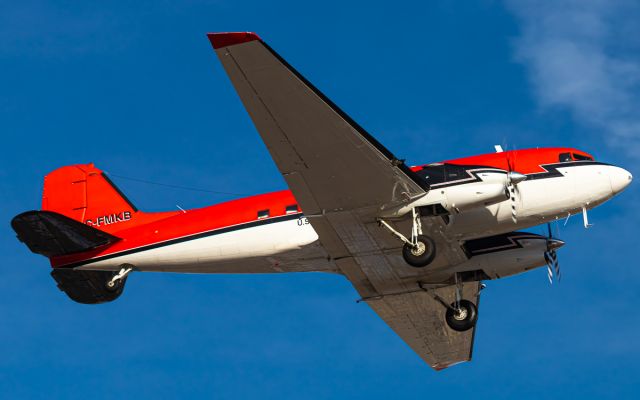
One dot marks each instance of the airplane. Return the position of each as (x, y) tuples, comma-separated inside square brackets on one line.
[(416, 242)]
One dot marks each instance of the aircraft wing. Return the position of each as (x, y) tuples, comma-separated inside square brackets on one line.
[(332, 162), (342, 178), (417, 318)]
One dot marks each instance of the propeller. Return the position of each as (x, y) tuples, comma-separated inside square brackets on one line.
[(513, 178), (551, 257)]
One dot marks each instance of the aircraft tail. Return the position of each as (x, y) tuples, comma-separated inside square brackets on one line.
[(84, 193), (81, 210)]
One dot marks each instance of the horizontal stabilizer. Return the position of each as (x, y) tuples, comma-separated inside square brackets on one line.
[(52, 234)]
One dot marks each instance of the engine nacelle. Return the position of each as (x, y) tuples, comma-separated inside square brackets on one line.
[(455, 198), (461, 198), (498, 256)]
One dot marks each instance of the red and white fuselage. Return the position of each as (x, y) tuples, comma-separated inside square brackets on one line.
[(268, 233)]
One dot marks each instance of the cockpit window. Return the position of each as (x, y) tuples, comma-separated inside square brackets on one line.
[(565, 157), (581, 157), (568, 157)]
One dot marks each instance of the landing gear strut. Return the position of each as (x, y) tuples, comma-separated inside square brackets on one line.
[(421, 249)]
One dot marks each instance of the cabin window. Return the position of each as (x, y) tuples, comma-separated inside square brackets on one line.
[(565, 157), (292, 209), (262, 214), (581, 157)]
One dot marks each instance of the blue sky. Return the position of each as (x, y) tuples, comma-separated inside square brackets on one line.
[(136, 88)]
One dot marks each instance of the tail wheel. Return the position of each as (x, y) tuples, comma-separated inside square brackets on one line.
[(113, 286), (420, 255), (462, 316), (118, 279)]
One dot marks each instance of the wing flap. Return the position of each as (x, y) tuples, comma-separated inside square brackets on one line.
[(52, 234)]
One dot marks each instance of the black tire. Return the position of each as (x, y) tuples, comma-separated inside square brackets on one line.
[(464, 320), (423, 257)]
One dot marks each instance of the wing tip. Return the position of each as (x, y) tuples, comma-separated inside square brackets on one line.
[(226, 39), (439, 366)]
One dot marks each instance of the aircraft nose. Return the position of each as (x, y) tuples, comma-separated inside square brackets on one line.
[(620, 179)]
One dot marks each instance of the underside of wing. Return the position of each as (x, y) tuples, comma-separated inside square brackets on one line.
[(344, 180), (329, 161), (418, 318)]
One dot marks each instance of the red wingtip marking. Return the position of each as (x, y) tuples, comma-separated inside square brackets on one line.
[(225, 39)]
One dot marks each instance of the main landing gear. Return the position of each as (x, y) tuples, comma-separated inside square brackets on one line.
[(461, 315), (421, 249)]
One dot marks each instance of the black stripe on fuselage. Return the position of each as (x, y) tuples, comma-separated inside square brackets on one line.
[(473, 173), (497, 243), (550, 171), (187, 238)]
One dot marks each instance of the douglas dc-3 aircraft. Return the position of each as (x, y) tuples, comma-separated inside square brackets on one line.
[(415, 242)]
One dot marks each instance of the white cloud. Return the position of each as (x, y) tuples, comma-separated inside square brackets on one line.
[(583, 56)]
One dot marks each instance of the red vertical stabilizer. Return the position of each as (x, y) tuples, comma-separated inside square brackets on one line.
[(84, 193)]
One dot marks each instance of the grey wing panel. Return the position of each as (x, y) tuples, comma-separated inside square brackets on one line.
[(419, 320), (329, 162)]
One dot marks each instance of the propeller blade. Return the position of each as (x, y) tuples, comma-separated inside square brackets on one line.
[(553, 257), (548, 259), (553, 266), (550, 256), (514, 211), (513, 178)]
